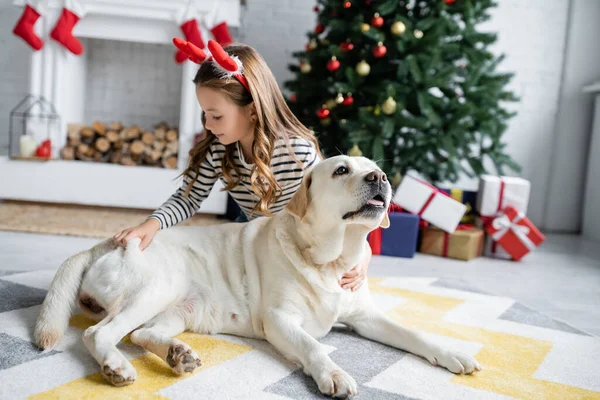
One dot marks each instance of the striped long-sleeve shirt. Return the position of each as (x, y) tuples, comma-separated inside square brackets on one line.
[(288, 173)]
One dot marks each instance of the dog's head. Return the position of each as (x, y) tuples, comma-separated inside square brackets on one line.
[(346, 190)]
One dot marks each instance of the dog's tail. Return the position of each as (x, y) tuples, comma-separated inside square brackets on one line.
[(61, 299)]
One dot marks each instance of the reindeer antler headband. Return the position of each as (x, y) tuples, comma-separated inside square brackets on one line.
[(226, 65)]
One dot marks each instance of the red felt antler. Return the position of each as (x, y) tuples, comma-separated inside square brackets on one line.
[(230, 66), (194, 53), (221, 57)]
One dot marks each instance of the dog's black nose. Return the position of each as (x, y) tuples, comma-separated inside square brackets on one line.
[(376, 176)]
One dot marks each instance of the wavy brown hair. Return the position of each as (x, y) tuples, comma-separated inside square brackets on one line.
[(274, 120)]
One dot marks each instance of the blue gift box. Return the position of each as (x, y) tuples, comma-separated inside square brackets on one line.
[(400, 239)]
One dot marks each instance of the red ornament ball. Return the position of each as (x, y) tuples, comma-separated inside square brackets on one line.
[(347, 4), (333, 64), (316, 8), (377, 21), (380, 50), (346, 46), (319, 28), (450, 2), (348, 100), (323, 112), (293, 97)]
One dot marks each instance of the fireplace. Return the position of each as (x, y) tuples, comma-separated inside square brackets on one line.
[(84, 92)]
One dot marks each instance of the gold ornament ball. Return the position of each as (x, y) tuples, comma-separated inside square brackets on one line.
[(331, 103), (377, 110), (418, 34), (398, 28), (365, 27), (339, 99), (355, 151), (305, 67), (326, 121), (389, 106), (396, 179), (363, 68), (313, 44)]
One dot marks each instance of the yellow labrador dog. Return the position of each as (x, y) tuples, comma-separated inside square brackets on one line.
[(272, 278)]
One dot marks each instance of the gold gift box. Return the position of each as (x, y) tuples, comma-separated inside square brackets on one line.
[(466, 243)]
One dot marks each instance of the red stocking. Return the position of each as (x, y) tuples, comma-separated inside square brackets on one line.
[(221, 34), (192, 34), (63, 32), (24, 28)]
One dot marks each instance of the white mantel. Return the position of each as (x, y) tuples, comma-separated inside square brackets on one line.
[(60, 77)]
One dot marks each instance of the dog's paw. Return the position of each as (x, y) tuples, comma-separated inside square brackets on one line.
[(118, 371), (182, 359), (337, 384), (456, 362)]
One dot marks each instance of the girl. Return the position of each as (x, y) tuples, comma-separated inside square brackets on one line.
[(253, 144)]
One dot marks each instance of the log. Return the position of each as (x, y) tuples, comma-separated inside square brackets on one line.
[(73, 135), (148, 138), (116, 126), (170, 161), (82, 151), (67, 153), (87, 135), (99, 127), (161, 125), (137, 149), (112, 136), (152, 157), (102, 145), (126, 160), (115, 157), (172, 147), (159, 145), (172, 135), (160, 133)]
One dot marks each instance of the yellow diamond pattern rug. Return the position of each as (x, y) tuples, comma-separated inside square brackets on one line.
[(525, 355)]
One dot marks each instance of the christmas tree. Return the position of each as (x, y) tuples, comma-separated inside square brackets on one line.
[(411, 85)]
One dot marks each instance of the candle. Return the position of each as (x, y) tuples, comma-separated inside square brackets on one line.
[(27, 146)]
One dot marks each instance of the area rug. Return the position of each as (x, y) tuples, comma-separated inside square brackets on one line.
[(525, 355), (74, 220)]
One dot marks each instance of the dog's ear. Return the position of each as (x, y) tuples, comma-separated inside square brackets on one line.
[(385, 222), (299, 202)]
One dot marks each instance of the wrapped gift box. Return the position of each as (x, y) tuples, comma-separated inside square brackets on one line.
[(494, 250), (515, 233), (400, 239), (428, 202), (497, 192), (468, 198), (466, 243)]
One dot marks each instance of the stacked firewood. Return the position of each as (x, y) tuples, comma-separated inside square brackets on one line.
[(114, 143)]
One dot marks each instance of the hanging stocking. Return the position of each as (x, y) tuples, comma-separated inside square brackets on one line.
[(193, 35), (24, 27), (221, 34), (63, 31)]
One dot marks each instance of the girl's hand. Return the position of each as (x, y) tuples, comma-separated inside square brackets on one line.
[(145, 231), (354, 278)]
